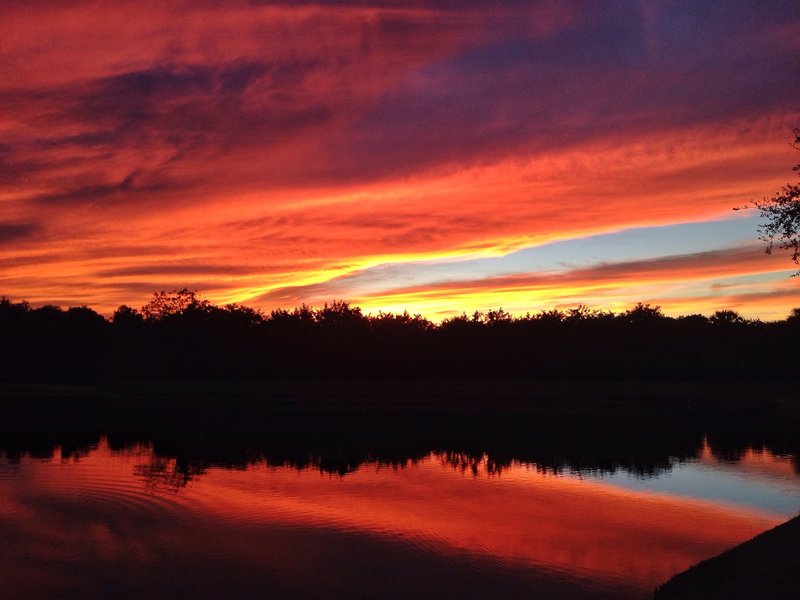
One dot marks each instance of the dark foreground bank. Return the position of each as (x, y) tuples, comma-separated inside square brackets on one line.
[(768, 566)]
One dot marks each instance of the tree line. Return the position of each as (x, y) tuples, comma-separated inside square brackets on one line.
[(179, 335)]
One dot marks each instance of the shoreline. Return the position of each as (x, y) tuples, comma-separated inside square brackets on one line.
[(568, 398), (766, 566)]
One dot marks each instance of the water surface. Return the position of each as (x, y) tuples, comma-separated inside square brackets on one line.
[(133, 522)]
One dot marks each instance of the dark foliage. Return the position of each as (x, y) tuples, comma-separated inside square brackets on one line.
[(177, 335), (780, 215)]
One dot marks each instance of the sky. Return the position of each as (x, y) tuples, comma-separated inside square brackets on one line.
[(435, 156)]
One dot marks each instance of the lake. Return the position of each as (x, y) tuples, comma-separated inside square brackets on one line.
[(133, 517)]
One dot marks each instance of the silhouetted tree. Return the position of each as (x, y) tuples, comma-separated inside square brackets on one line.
[(499, 317), (239, 316), (301, 318), (177, 335), (781, 215), (84, 317), (125, 316), (643, 313), (9, 309), (550, 316), (726, 317), (389, 323), (176, 302), (579, 313), (339, 312), (694, 321)]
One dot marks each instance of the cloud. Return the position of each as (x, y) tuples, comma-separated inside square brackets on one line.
[(302, 141), (16, 232), (563, 285), (398, 92), (195, 269)]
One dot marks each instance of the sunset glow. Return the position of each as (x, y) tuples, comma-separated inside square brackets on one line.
[(429, 156)]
